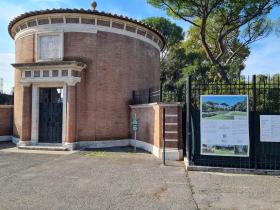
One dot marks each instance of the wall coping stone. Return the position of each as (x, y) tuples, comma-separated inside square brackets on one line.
[(161, 104), (6, 106)]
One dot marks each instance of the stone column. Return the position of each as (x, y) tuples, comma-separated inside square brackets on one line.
[(71, 114), (25, 134)]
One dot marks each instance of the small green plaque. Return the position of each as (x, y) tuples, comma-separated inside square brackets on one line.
[(135, 125)]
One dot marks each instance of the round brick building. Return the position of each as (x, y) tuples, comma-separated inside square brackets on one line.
[(75, 71)]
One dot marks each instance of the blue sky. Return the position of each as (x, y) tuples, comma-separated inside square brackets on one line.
[(263, 59), (230, 100)]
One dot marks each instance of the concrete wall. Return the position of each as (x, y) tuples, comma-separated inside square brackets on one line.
[(150, 134), (6, 122)]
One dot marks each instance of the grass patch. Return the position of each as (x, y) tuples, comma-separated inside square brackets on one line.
[(224, 152), (95, 154), (226, 115)]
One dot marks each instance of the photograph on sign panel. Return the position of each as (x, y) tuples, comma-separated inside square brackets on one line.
[(227, 150), (224, 108)]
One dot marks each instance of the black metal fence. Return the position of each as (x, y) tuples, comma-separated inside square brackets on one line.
[(146, 96), (6, 99), (264, 99)]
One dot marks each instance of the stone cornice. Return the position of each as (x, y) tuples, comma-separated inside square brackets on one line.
[(100, 22), (54, 65)]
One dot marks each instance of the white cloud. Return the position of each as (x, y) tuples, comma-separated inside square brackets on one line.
[(7, 71), (264, 57)]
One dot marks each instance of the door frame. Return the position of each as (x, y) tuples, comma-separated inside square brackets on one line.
[(35, 110)]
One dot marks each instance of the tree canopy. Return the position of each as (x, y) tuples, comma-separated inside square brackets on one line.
[(172, 33), (225, 27)]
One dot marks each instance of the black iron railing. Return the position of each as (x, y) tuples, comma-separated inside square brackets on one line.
[(6, 99), (264, 99), (145, 96)]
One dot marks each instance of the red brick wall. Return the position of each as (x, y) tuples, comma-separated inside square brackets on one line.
[(25, 48), (150, 118), (6, 120), (117, 65)]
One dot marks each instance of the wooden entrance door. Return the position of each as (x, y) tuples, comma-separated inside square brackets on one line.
[(50, 115)]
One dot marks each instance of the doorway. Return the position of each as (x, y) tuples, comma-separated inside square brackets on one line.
[(50, 115)]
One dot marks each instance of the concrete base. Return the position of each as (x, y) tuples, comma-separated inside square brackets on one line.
[(230, 170), (170, 153), (5, 138), (48, 148)]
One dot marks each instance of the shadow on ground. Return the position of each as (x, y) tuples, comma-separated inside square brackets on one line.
[(117, 149), (6, 145)]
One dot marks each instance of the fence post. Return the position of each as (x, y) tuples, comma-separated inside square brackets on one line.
[(188, 119), (254, 146), (133, 97), (160, 99), (149, 96)]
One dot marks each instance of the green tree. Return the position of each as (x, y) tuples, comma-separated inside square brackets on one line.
[(172, 73), (173, 59), (245, 21), (198, 63), (172, 33)]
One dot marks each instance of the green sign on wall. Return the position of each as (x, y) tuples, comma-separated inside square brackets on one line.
[(135, 124)]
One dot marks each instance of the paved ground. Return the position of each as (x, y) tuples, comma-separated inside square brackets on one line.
[(234, 191), (90, 180), (121, 179)]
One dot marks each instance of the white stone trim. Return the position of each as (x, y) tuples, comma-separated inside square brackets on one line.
[(171, 140), (35, 114), (6, 106), (171, 123), (51, 67), (83, 28), (170, 153), (64, 112), (143, 105), (171, 131), (51, 80), (5, 138), (101, 144), (61, 47), (35, 110), (15, 140), (153, 104), (171, 115)]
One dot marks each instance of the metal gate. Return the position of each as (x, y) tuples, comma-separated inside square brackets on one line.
[(264, 99), (50, 115)]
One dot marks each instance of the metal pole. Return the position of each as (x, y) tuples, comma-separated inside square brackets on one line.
[(188, 119), (254, 146), (163, 120), (135, 134), (160, 99), (149, 96), (133, 97)]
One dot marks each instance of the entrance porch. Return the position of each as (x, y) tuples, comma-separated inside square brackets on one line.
[(48, 103)]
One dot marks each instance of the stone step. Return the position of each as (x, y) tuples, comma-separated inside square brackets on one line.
[(48, 148)]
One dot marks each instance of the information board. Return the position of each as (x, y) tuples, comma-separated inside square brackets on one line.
[(270, 128), (224, 125)]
